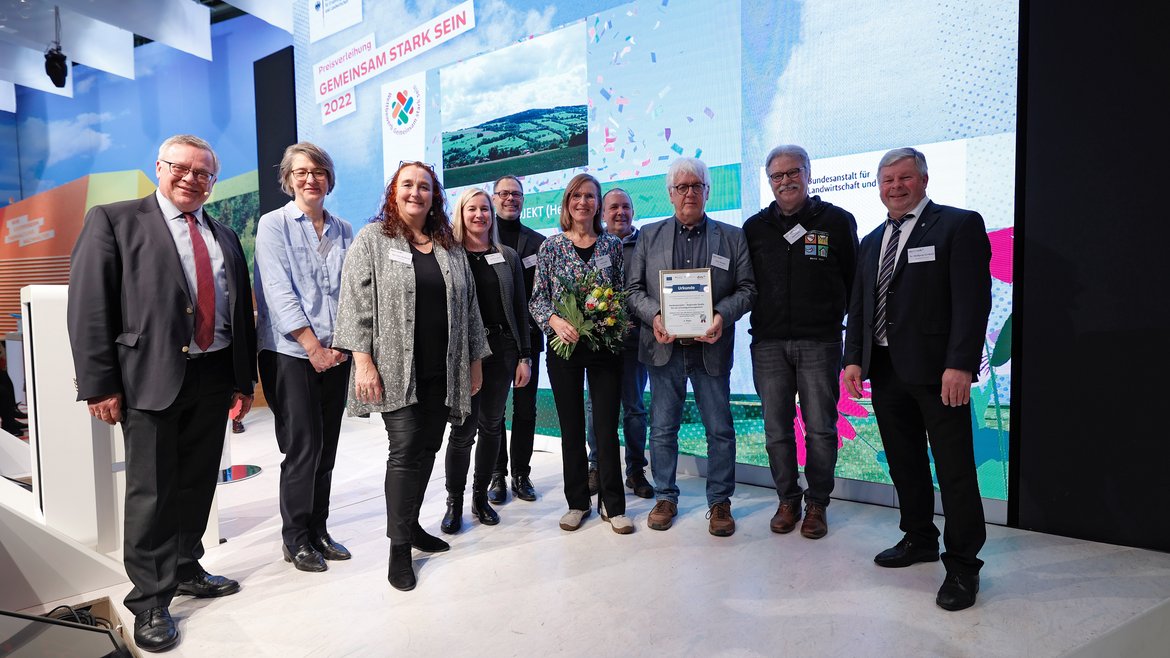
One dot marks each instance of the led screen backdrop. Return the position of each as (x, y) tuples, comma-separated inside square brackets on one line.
[(547, 90)]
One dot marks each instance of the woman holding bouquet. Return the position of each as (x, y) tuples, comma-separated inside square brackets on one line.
[(578, 272), (503, 305), (409, 316)]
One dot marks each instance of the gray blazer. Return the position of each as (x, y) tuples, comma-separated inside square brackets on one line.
[(376, 312), (734, 289), (512, 296)]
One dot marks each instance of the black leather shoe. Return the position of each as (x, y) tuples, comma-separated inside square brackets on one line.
[(305, 558), (426, 542), (206, 586), (904, 554), (497, 489), (401, 574), (640, 485), (453, 519), (154, 630), (522, 487), (483, 511), (958, 591), (329, 549)]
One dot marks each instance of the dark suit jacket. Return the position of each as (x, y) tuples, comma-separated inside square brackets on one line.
[(527, 245), (131, 315), (732, 295), (936, 311)]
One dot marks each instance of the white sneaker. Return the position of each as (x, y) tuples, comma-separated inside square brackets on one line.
[(622, 524), (572, 519)]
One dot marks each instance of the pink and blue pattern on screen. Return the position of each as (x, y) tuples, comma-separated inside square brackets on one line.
[(402, 107)]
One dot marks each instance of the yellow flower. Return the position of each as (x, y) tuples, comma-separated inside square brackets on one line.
[(602, 306), (609, 292), (610, 321), (597, 292)]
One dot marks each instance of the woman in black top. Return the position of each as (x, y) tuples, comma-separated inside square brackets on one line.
[(408, 315), (499, 283)]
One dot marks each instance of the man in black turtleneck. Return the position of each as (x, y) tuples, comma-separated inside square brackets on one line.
[(804, 252), (508, 200)]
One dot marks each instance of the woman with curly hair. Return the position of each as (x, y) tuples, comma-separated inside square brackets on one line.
[(409, 316)]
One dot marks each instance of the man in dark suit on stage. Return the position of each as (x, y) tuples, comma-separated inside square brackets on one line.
[(164, 342), (508, 201), (917, 324)]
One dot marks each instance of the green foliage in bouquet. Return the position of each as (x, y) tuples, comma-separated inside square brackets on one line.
[(598, 313)]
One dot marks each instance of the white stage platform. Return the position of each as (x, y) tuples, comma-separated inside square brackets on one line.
[(526, 588)]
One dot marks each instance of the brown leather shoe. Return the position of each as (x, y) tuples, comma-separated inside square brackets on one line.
[(662, 516), (815, 525), (786, 516), (722, 524)]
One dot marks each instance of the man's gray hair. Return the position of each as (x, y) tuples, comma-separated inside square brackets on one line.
[(901, 154), (792, 151), (507, 177), (693, 166), (190, 140)]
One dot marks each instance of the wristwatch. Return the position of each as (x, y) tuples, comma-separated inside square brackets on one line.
[(526, 361)]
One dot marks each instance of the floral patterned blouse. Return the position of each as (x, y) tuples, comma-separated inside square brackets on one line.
[(558, 259)]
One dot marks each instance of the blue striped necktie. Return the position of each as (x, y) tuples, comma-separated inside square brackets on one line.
[(889, 259)]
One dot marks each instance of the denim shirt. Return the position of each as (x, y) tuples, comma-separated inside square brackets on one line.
[(296, 286)]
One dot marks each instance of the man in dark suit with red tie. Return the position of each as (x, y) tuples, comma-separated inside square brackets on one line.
[(164, 342), (916, 330)]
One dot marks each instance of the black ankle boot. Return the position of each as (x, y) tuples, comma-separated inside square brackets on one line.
[(426, 542), (482, 510), (401, 574), (453, 519)]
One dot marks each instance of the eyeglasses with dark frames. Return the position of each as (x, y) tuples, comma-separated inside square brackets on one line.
[(182, 170)]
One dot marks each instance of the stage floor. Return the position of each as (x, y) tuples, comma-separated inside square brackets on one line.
[(526, 588)]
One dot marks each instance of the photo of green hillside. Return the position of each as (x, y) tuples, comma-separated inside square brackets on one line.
[(523, 143), (531, 119)]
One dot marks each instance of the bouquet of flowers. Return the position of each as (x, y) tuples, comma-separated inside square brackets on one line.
[(598, 314)]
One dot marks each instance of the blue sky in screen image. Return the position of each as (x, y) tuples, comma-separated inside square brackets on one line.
[(354, 141), (113, 123)]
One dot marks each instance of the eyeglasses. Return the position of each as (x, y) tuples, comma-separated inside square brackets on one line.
[(781, 175), (682, 190), (182, 170), (509, 194), (415, 163), (302, 174)]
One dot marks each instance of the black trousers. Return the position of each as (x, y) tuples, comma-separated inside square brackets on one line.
[(910, 417), (604, 370), (487, 418), (414, 434), (307, 406), (523, 431), (172, 463)]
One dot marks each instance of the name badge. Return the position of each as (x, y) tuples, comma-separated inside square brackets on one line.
[(920, 254), (722, 262), (603, 262), (492, 259), (400, 256), (529, 262), (797, 232)]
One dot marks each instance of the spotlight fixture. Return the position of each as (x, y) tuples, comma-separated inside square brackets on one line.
[(56, 64)]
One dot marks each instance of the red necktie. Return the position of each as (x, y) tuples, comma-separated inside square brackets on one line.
[(205, 287)]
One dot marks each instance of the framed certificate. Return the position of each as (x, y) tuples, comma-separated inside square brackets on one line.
[(686, 301)]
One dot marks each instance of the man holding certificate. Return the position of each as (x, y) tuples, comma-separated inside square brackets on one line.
[(690, 280)]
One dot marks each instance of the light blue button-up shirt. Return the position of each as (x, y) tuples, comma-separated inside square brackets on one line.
[(297, 277), (181, 234)]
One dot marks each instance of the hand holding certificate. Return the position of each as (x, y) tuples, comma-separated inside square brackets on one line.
[(685, 304)]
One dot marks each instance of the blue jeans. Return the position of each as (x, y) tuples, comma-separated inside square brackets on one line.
[(634, 378), (668, 392), (784, 369)]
